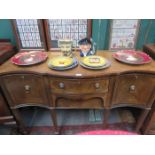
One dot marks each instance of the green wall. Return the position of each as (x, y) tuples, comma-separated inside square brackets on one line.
[(100, 32), (6, 31), (146, 32)]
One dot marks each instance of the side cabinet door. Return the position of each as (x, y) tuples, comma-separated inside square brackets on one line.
[(134, 89), (25, 89)]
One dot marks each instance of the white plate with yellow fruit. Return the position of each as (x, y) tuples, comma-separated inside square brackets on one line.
[(62, 63), (95, 62)]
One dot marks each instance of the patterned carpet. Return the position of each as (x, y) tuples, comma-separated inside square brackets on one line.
[(75, 129), (38, 121)]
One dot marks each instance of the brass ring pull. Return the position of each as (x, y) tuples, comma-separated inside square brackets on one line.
[(61, 85), (97, 85), (132, 88), (22, 76), (27, 88)]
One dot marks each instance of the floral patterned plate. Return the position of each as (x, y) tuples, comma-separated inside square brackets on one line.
[(29, 58), (132, 57)]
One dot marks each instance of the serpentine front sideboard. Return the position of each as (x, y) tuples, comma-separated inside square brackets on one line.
[(119, 85)]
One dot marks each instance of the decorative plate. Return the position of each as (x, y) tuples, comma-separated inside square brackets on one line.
[(29, 58), (61, 61), (93, 61), (75, 63), (132, 57), (106, 65)]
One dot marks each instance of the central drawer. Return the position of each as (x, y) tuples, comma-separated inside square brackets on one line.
[(79, 86)]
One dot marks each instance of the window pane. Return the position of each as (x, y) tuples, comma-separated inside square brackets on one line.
[(72, 29), (123, 34), (29, 33)]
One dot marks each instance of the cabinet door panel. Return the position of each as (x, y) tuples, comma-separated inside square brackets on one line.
[(134, 89), (25, 89)]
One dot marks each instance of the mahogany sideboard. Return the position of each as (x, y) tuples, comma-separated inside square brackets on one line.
[(120, 85)]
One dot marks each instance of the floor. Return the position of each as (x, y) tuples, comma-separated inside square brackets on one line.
[(39, 117)]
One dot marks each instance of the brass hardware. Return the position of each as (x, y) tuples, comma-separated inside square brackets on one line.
[(97, 85), (132, 88), (22, 76), (61, 85), (27, 88)]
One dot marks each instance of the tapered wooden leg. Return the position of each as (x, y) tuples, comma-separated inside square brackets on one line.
[(150, 119), (141, 119), (106, 116), (20, 122), (54, 119)]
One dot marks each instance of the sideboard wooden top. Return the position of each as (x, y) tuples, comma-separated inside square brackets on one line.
[(116, 68)]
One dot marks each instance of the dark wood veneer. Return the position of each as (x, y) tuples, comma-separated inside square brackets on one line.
[(80, 88)]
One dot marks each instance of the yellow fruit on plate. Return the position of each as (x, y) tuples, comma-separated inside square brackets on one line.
[(61, 61)]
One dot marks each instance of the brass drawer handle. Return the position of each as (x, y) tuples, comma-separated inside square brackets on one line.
[(132, 88), (97, 85), (61, 85), (27, 88), (22, 76)]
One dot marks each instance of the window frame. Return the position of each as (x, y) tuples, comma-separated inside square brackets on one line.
[(41, 32), (135, 39), (48, 38)]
